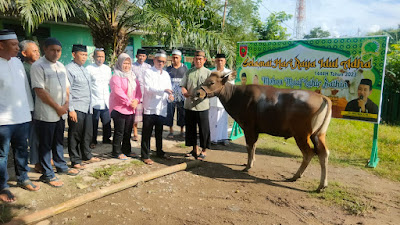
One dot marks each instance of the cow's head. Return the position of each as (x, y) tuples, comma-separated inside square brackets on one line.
[(213, 85)]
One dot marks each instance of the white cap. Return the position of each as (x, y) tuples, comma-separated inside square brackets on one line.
[(176, 52)]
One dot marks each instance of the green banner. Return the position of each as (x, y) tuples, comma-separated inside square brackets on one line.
[(349, 71)]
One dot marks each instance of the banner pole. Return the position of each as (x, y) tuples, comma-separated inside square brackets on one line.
[(373, 161)]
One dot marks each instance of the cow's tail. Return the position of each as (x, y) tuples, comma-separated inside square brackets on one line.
[(322, 117)]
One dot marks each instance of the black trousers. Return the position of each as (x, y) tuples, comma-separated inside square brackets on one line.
[(79, 138), (51, 145), (150, 121), (104, 115), (192, 120), (123, 125)]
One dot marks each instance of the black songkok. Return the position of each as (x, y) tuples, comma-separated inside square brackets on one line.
[(79, 48), (141, 51), (52, 41), (221, 55), (367, 82)]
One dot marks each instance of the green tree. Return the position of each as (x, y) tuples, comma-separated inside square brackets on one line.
[(273, 29), (392, 72), (34, 12), (111, 22), (240, 20), (317, 32), (187, 23)]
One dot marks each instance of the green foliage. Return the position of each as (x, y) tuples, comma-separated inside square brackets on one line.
[(107, 171), (240, 19), (187, 23), (392, 73), (348, 198), (35, 12), (111, 22), (273, 29), (317, 32), (392, 79)]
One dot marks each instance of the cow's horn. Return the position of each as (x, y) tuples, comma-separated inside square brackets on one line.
[(226, 74)]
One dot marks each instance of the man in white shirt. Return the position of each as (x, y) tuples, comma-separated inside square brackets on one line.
[(16, 105), (218, 117), (100, 75), (50, 82), (138, 68), (157, 94)]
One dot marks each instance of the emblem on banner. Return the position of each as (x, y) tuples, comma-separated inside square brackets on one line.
[(243, 50)]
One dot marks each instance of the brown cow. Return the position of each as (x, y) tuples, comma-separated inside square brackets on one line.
[(286, 113)]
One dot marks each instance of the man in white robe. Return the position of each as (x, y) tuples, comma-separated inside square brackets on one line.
[(218, 117)]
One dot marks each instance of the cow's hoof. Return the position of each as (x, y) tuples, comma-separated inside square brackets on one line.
[(321, 189), (293, 179)]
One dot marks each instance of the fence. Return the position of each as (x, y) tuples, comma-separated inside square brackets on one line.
[(391, 108)]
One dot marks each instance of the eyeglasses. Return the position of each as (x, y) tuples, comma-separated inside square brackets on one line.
[(99, 49), (160, 61)]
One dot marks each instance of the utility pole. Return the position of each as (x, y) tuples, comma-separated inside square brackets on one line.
[(223, 20)]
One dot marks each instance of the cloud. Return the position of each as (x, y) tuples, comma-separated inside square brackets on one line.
[(374, 28), (341, 17)]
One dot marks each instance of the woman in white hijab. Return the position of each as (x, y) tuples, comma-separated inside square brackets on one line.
[(124, 97)]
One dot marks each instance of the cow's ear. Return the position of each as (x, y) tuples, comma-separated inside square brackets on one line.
[(225, 78)]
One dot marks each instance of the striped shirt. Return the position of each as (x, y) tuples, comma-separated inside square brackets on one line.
[(80, 88)]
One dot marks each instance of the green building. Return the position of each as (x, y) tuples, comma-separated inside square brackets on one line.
[(68, 34)]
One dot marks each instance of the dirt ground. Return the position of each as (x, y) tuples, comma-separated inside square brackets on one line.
[(216, 192)]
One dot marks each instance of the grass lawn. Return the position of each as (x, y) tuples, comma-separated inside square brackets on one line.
[(350, 144)]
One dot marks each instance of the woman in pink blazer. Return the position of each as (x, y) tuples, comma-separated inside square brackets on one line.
[(124, 98)]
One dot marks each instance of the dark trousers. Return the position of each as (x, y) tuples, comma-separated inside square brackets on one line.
[(180, 111), (17, 135), (33, 141), (192, 119), (79, 138), (150, 121), (123, 125), (104, 115), (51, 141)]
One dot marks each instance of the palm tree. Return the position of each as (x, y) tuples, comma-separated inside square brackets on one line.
[(187, 23), (34, 12), (111, 22)]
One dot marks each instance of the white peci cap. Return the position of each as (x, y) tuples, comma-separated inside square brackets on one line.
[(176, 52)]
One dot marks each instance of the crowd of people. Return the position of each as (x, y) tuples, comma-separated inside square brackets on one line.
[(38, 95)]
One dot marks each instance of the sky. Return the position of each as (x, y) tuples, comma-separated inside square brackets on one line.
[(340, 17)]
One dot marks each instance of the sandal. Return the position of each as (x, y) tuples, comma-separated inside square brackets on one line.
[(190, 154), (122, 157), (165, 156), (170, 136), (93, 160), (71, 172), (28, 185), (54, 182), (135, 138), (148, 161), (202, 156), (8, 196), (133, 155), (79, 166)]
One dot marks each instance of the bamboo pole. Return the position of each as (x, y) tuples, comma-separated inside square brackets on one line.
[(75, 202)]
